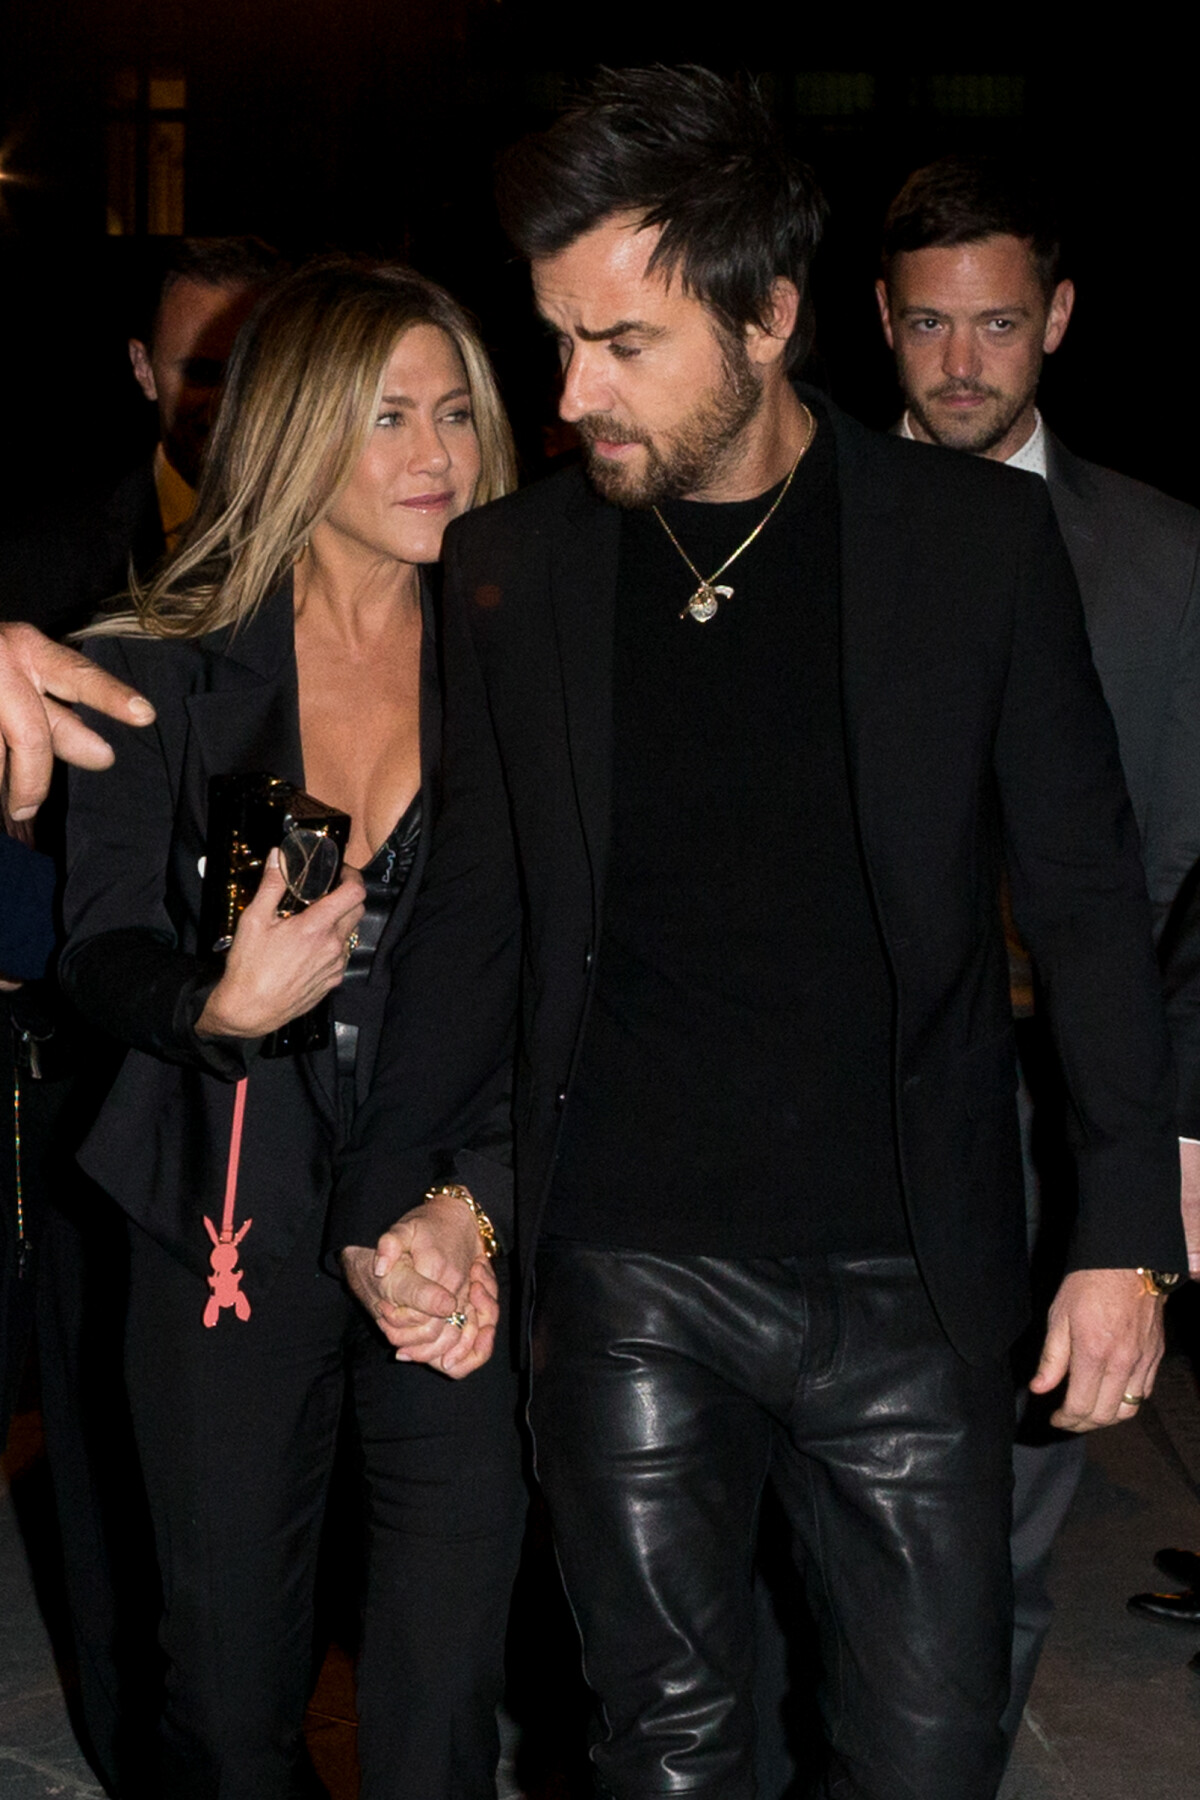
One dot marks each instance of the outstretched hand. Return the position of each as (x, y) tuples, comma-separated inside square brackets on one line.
[(429, 1266), (1105, 1337), (39, 680)]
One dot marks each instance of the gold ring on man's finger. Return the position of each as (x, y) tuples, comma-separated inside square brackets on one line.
[(1132, 1399), (456, 1318)]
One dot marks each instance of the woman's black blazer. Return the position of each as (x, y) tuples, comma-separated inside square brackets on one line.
[(226, 703)]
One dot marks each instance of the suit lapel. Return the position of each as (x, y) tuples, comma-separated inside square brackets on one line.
[(248, 721), (583, 590), (875, 551), (1081, 521)]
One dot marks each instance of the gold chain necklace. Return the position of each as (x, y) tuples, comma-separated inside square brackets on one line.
[(708, 597)]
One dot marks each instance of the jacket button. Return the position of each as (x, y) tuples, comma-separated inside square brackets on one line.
[(587, 959), (560, 1099)]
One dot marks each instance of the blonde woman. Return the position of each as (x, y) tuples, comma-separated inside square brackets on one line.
[(292, 634)]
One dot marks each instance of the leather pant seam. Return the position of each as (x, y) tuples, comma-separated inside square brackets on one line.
[(834, 1677)]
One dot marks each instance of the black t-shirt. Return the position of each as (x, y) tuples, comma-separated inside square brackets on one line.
[(734, 1091)]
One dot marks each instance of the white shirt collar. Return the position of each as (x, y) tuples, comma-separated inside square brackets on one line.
[(1031, 455)]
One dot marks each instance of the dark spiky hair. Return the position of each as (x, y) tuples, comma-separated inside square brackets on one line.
[(684, 150)]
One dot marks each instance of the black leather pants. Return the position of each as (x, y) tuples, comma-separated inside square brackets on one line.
[(664, 1391)]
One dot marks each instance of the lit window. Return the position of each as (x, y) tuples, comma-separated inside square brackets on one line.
[(145, 143)]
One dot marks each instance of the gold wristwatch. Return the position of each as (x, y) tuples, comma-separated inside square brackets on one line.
[(454, 1190)]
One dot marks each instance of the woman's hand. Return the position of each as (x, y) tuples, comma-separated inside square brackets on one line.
[(429, 1266), (276, 969)]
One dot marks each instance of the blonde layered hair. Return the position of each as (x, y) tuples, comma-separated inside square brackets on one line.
[(301, 396)]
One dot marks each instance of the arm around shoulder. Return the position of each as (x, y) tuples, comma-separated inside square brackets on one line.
[(39, 682)]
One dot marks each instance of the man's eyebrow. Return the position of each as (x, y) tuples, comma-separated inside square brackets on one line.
[(622, 328), (984, 312)]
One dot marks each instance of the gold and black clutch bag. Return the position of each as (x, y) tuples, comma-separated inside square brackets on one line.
[(248, 817)]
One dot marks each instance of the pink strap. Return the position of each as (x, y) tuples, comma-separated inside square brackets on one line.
[(225, 1281), (235, 1156)]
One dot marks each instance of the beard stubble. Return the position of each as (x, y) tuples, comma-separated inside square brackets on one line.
[(686, 461)]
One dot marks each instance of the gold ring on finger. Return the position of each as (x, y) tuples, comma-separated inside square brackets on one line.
[(1132, 1399), (457, 1318)]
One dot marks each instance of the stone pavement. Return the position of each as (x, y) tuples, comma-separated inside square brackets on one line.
[(1114, 1715), (38, 1751), (1115, 1710)]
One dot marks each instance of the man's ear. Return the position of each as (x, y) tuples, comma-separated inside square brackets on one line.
[(885, 311), (1059, 316), (143, 374), (767, 344)]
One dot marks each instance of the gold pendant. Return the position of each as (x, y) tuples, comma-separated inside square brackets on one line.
[(705, 601)]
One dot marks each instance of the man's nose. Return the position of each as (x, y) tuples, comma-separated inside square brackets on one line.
[(961, 360), (586, 385)]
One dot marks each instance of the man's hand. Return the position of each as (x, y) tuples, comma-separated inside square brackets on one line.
[(36, 677), (1106, 1334), (1189, 1162), (428, 1266)]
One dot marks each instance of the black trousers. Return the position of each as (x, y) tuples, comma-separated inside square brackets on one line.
[(108, 1561), (67, 1280), (664, 1391), (236, 1429)]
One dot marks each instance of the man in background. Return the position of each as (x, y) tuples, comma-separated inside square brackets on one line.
[(78, 552), (972, 299), (209, 287)]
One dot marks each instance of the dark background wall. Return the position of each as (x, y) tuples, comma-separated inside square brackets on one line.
[(373, 124)]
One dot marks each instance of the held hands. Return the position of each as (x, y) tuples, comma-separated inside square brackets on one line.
[(38, 681), (429, 1265), (1106, 1335), (277, 968)]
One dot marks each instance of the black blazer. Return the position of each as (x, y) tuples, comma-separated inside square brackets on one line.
[(975, 727), (1136, 556), (136, 834)]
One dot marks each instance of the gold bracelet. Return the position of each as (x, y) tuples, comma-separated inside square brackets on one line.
[(454, 1190), (1158, 1283)]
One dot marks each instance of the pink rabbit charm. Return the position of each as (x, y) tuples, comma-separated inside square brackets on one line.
[(226, 1278)]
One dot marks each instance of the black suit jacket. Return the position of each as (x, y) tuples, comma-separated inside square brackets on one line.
[(1136, 556), (136, 836), (975, 726)]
